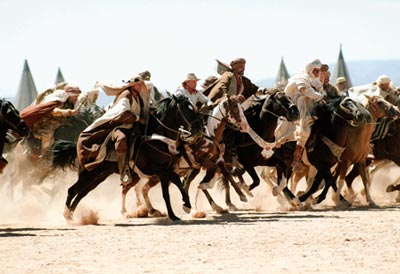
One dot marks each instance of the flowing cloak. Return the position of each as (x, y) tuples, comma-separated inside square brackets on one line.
[(34, 113), (92, 142)]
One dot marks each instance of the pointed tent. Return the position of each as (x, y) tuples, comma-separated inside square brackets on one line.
[(341, 70), (283, 76), (27, 90), (59, 77)]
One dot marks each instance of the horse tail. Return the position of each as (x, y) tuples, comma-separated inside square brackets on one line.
[(64, 155)]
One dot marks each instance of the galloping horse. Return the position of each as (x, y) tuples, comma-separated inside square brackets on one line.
[(263, 118), (11, 126), (208, 152), (347, 134), (34, 162), (384, 149), (150, 157)]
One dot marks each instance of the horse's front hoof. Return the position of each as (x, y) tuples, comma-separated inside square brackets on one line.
[(174, 219), (243, 199), (68, 214), (187, 208), (372, 204), (390, 188), (276, 191), (156, 213)]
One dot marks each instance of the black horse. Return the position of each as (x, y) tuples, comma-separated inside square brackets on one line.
[(12, 128), (175, 119), (263, 119)]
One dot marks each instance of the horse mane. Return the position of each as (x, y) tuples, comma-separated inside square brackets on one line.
[(255, 107), (162, 106)]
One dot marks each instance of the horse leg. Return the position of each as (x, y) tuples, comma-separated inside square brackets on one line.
[(350, 194), (87, 181), (210, 200), (190, 178), (238, 172), (229, 176), (313, 188), (125, 190), (340, 171), (153, 181), (366, 181), (228, 201), (165, 193)]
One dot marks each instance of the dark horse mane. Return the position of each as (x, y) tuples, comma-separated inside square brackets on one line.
[(326, 111)]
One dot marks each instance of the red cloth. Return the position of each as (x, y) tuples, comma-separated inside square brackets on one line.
[(191, 90), (238, 84), (33, 113)]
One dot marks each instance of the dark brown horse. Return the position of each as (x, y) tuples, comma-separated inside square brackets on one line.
[(351, 135), (151, 157), (386, 150)]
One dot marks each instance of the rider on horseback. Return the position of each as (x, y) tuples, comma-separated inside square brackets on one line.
[(127, 108), (44, 117), (232, 82), (304, 89)]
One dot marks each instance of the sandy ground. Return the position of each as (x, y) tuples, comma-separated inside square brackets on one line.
[(262, 237)]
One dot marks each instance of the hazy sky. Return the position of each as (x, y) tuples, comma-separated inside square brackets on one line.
[(112, 40)]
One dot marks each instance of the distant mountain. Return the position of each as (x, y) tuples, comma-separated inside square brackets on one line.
[(361, 72)]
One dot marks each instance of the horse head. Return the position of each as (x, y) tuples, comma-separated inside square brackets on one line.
[(352, 111), (380, 108), (10, 119), (232, 112), (186, 120), (279, 104)]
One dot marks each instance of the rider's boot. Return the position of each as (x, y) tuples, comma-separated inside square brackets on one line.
[(124, 170)]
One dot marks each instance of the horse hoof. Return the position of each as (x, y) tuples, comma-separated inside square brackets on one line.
[(275, 191), (372, 204), (243, 199), (198, 214), (390, 188), (295, 202), (233, 208), (186, 208), (67, 214), (175, 219), (218, 209)]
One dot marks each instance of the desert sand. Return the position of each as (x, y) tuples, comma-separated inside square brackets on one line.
[(264, 236)]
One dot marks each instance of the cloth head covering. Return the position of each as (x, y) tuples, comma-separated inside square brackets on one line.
[(383, 79), (72, 90), (316, 64), (340, 80), (146, 75), (324, 68), (237, 61)]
